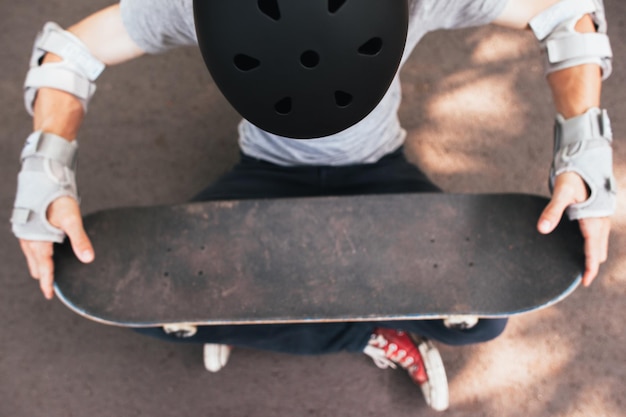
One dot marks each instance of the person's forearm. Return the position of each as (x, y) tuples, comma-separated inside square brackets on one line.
[(575, 90), (57, 112)]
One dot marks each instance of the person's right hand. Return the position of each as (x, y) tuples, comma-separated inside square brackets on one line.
[(64, 214)]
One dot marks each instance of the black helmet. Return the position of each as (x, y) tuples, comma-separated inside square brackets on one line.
[(302, 68)]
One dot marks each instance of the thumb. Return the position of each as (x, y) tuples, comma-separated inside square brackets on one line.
[(550, 217), (569, 188), (83, 249), (552, 214), (64, 213)]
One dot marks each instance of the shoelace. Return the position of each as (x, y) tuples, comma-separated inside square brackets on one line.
[(379, 357), (387, 355), (399, 356)]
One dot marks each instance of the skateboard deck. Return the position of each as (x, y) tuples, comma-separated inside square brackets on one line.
[(356, 258)]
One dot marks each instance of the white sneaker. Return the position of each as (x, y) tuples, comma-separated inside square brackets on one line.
[(215, 356)]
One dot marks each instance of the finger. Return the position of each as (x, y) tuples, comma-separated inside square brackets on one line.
[(46, 282), (83, 249), (64, 213), (552, 214), (596, 233), (606, 230), (45, 267), (569, 188), (592, 266), (30, 259)]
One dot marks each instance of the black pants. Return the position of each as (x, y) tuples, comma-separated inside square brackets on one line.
[(252, 178)]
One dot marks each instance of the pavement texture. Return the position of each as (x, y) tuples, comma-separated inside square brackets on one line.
[(479, 119)]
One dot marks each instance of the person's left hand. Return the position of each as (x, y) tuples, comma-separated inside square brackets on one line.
[(569, 188)]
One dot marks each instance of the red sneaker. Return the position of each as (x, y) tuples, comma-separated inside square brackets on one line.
[(419, 357)]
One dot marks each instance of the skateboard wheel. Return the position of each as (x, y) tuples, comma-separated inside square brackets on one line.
[(180, 331)]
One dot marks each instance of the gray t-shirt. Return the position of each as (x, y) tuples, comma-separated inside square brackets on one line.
[(159, 25)]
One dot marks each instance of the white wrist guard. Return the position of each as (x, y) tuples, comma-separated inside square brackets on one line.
[(582, 145), (48, 172), (76, 74), (564, 46)]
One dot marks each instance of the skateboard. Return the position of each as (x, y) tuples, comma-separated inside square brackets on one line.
[(321, 259)]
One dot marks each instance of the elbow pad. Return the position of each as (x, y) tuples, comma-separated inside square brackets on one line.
[(565, 47), (76, 74)]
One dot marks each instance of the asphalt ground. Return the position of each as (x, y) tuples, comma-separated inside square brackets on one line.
[(479, 119)]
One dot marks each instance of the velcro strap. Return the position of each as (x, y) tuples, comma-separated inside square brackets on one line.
[(50, 146), (59, 76), (20, 215), (547, 21), (576, 46), (64, 44), (595, 124)]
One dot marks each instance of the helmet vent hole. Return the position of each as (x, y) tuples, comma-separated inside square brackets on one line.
[(270, 8), (310, 59), (335, 5), (371, 47), (283, 106), (343, 99), (246, 63)]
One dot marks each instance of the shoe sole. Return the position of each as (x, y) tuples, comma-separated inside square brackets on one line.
[(436, 390)]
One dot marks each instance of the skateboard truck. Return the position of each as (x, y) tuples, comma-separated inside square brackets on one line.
[(181, 330), (185, 330), (460, 322)]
